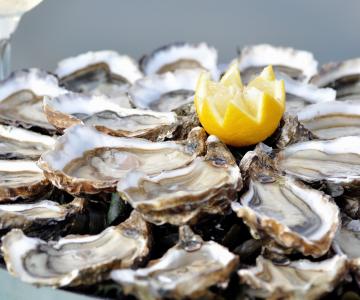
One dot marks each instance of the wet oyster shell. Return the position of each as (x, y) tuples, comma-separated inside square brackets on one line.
[(85, 160), (22, 143), (34, 216), (21, 97), (165, 92), (179, 274), (300, 279), (180, 196), (21, 179), (332, 120), (76, 259), (343, 76), (298, 64), (108, 116), (334, 161), (293, 214), (180, 56)]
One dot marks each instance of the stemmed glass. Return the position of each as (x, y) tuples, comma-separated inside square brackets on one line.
[(11, 12)]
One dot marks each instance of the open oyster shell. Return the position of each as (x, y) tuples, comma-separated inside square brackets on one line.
[(332, 120), (298, 64), (343, 76), (21, 97), (334, 161), (181, 56), (22, 143), (178, 196), (179, 274), (300, 279), (291, 213), (108, 116), (21, 179), (75, 259), (85, 160), (38, 215), (166, 91), (300, 94)]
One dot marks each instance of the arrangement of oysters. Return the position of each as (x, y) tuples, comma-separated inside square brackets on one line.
[(110, 186)]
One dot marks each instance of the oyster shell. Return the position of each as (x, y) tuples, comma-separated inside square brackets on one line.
[(108, 116), (300, 94), (179, 274), (166, 91), (332, 120), (343, 76), (293, 214), (178, 196), (21, 97), (300, 279), (21, 179), (334, 161), (22, 143), (181, 56), (85, 160), (38, 215), (76, 259), (298, 64)]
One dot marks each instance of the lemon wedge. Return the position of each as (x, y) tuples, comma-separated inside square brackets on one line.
[(240, 115)]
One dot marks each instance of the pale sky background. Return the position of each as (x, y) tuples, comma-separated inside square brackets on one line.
[(60, 28)]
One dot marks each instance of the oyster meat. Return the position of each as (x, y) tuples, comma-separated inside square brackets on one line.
[(99, 73), (22, 143), (108, 116), (302, 279), (291, 213), (85, 160), (21, 97), (181, 56), (21, 179), (334, 161), (298, 64), (166, 91), (37, 215), (75, 259), (179, 274), (178, 196), (332, 120), (344, 77)]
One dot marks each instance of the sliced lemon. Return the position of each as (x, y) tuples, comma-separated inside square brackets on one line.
[(240, 115)]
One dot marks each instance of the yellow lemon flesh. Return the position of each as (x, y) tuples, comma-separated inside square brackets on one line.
[(240, 115)]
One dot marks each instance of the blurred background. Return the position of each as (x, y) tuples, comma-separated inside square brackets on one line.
[(60, 28)]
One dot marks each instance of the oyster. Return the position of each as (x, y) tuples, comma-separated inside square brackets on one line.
[(344, 77), (21, 179), (332, 120), (22, 143), (300, 94), (181, 56), (85, 160), (165, 92), (300, 279), (99, 73), (178, 196), (179, 274), (21, 97), (291, 213), (76, 259), (38, 215), (108, 116), (335, 161), (298, 64)]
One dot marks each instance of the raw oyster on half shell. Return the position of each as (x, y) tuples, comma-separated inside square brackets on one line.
[(108, 116), (76, 259), (21, 97)]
